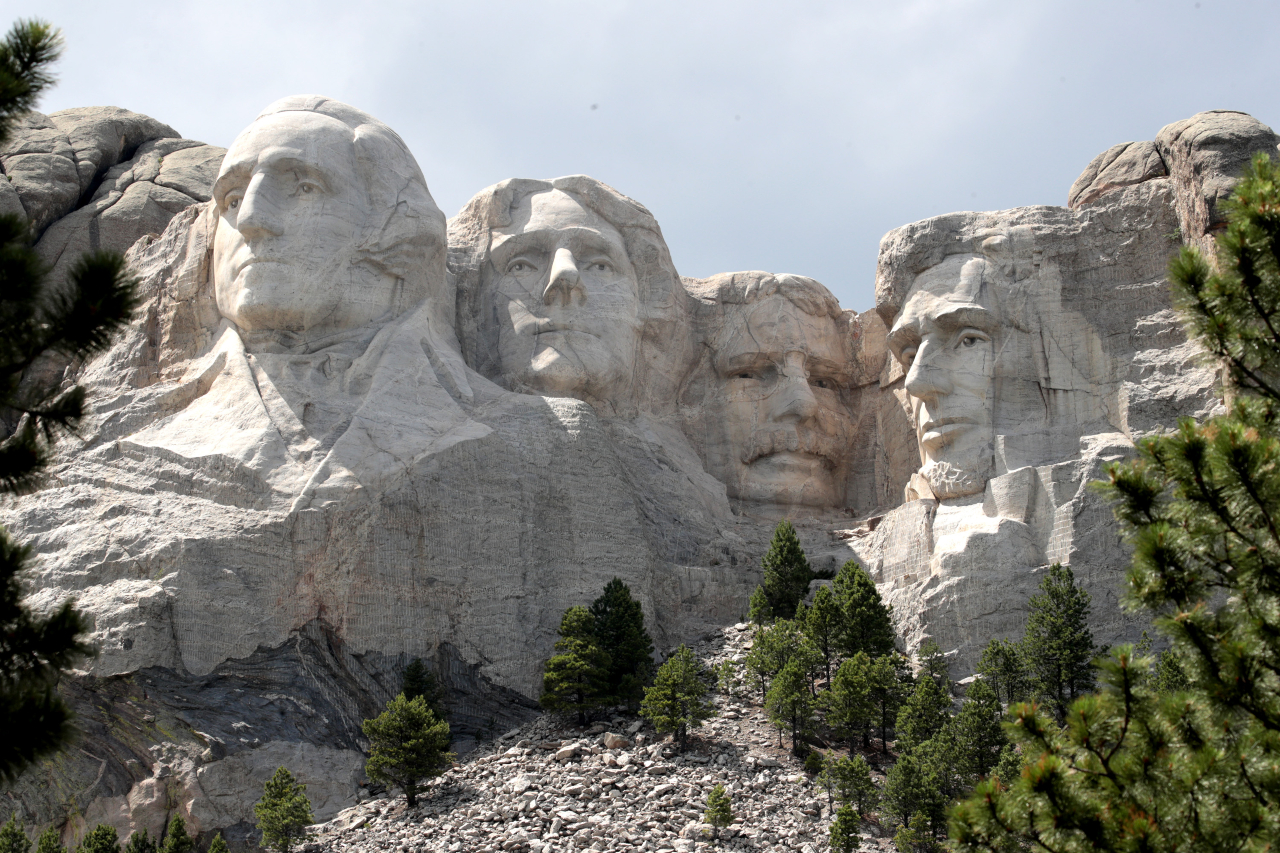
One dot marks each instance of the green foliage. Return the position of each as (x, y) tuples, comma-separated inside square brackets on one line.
[(284, 810), (843, 836), (176, 839), (761, 611), (980, 739), (786, 572), (824, 626), (76, 320), (620, 633), (933, 663), (1138, 767), (886, 690), (101, 839), (771, 649), (50, 842), (915, 836), (868, 621), (1057, 646), (12, 838), (420, 681), (847, 780), (218, 845), (813, 762), (719, 811), (577, 679), (728, 677), (789, 703), (408, 743), (924, 713), (26, 53), (850, 711), (678, 701), (141, 842), (916, 785), (1004, 669)]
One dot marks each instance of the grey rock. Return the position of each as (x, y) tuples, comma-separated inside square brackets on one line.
[(101, 137), (41, 166), (1120, 166)]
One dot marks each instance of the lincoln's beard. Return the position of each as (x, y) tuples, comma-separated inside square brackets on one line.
[(952, 481)]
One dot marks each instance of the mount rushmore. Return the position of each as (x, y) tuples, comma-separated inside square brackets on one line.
[(343, 431)]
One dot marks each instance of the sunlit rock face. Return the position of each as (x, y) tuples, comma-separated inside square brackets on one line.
[(342, 433), (566, 288)]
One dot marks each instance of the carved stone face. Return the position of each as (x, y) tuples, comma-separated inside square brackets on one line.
[(567, 300), (784, 430), (943, 338), (292, 207)]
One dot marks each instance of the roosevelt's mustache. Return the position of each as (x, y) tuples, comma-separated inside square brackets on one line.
[(766, 442)]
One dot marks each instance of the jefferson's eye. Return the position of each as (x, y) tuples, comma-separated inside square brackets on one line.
[(601, 266), (970, 340)]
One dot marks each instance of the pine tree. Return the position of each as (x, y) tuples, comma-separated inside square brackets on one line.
[(933, 664), (915, 836), (407, 745), (719, 811), (12, 838), (1138, 769), (847, 780), (75, 322), (1057, 645), (678, 701), (141, 842), (824, 625), (771, 649), (577, 679), (786, 572), (924, 713), (218, 845), (848, 702), (886, 692), (176, 839), (843, 836), (1004, 669), (620, 633), (913, 787), (790, 703), (980, 739), (868, 621), (760, 611), (284, 811), (101, 839), (418, 681), (50, 842)]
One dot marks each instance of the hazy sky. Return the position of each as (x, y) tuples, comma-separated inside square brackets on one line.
[(783, 136)]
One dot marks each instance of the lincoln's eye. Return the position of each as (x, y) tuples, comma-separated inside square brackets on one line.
[(746, 376), (820, 383)]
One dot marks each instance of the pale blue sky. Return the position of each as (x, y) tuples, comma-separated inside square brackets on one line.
[(780, 136)]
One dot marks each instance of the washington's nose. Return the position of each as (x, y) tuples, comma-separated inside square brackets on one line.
[(794, 400), (564, 283), (926, 380), (258, 217)]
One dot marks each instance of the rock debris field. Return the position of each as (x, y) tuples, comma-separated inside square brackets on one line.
[(551, 786)]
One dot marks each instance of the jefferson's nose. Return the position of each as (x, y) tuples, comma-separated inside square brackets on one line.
[(925, 379), (794, 400), (258, 216), (564, 283)]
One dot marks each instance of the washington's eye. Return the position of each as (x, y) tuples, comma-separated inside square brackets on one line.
[(908, 355), (306, 188), (232, 204), (970, 340)]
